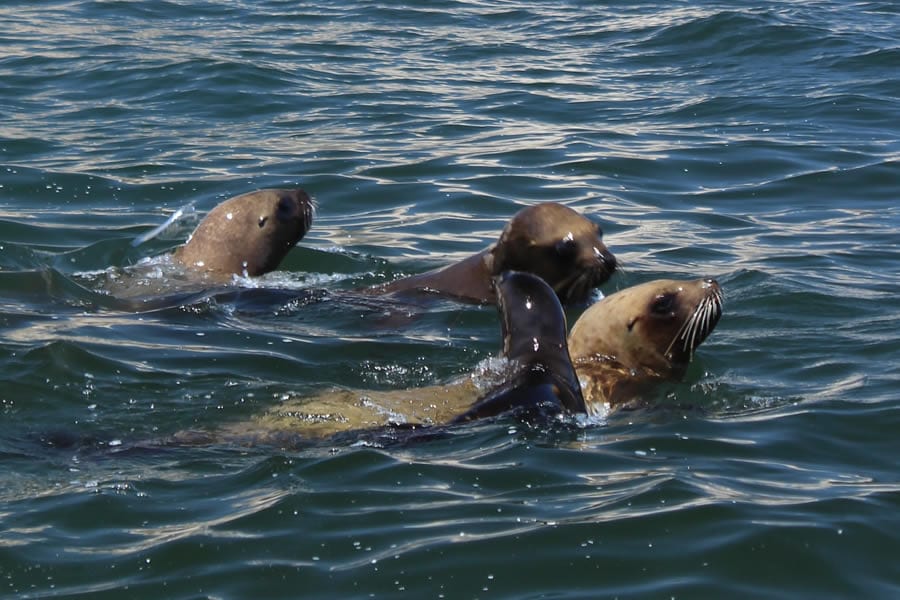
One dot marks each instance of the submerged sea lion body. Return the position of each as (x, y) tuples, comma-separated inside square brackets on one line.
[(550, 240), (248, 235)]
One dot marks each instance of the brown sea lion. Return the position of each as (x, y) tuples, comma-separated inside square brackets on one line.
[(640, 336), (617, 351), (249, 234), (550, 240)]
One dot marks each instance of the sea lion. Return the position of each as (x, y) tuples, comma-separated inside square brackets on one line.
[(245, 236), (550, 240), (617, 351), (248, 235), (640, 336)]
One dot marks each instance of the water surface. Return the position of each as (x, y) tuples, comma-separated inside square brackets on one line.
[(757, 144)]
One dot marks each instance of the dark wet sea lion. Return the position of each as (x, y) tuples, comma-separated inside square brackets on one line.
[(550, 240), (250, 234), (641, 336), (534, 339)]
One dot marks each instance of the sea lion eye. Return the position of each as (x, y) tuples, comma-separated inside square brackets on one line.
[(663, 304), (566, 247), (262, 222)]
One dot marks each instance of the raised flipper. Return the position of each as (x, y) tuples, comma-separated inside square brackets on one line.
[(534, 340)]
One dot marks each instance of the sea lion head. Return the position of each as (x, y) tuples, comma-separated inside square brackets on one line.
[(249, 234), (559, 245), (652, 328), (533, 325)]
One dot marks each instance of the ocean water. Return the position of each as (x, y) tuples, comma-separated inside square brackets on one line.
[(756, 143)]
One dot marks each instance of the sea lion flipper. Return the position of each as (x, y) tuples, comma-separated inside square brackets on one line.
[(534, 338), (531, 394)]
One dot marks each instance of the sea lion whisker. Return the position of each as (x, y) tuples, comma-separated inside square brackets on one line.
[(710, 309), (695, 323), (715, 308), (581, 286), (705, 320), (696, 327), (696, 330), (577, 288), (309, 213), (707, 310), (566, 284), (678, 335), (567, 293)]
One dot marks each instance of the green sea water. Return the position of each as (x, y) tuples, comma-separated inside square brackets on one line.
[(755, 143)]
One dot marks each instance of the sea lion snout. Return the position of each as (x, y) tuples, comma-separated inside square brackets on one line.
[(586, 250), (604, 259), (596, 260), (294, 204)]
